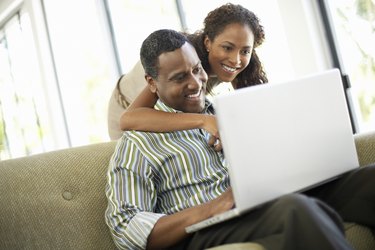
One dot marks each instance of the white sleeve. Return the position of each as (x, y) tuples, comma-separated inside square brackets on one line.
[(133, 82), (130, 85)]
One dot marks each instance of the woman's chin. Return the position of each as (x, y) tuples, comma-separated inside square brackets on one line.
[(226, 78)]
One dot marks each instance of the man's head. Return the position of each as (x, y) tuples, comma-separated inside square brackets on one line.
[(174, 71)]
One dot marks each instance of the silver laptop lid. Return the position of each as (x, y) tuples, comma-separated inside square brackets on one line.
[(279, 138)]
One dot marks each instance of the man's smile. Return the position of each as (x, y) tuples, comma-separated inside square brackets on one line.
[(194, 96)]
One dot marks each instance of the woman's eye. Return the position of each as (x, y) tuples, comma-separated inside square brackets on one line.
[(227, 48), (246, 52)]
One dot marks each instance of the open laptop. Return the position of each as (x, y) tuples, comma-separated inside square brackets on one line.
[(280, 138)]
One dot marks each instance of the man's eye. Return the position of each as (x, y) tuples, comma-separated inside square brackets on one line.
[(197, 70), (179, 78)]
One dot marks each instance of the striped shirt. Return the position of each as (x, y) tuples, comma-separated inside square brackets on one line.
[(155, 174)]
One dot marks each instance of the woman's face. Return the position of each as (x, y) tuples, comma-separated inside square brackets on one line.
[(230, 52)]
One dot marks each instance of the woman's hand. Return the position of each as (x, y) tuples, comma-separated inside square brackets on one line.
[(216, 143), (210, 125)]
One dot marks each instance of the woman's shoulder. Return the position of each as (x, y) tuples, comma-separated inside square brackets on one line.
[(133, 82), (215, 86)]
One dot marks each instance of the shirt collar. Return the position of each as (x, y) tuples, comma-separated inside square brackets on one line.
[(208, 107)]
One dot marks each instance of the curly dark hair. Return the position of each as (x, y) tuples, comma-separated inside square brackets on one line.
[(157, 43), (214, 24)]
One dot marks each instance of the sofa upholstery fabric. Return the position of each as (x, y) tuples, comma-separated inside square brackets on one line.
[(56, 200)]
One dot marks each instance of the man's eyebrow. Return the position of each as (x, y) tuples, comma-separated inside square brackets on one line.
[(177, 75), (198, 64)]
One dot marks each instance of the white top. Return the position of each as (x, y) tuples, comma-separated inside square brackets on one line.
[(126, 90)]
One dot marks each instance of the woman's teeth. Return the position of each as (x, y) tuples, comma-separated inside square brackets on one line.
[(230, 69)]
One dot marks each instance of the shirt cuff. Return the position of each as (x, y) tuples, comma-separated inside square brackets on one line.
[(140, 226)]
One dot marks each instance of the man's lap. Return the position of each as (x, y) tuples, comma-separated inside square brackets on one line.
[(351, 195), (271, 225)]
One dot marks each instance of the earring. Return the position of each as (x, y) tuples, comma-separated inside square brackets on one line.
[(208, 51)]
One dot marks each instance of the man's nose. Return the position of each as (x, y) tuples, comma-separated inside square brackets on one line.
[(195, 83)]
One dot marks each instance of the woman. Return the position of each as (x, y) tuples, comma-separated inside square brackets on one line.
[(226, 49)]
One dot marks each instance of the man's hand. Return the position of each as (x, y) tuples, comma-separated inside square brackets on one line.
[(222, 203), (170, 229)]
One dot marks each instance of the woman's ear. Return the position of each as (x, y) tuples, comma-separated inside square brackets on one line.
[(151, 84), (207, 44)]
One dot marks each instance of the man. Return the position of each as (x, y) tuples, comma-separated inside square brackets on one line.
[(159, 183)]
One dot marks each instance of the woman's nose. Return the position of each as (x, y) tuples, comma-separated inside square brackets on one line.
[(235, 58)]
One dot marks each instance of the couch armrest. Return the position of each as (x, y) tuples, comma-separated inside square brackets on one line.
[(365, 144), (56, 200)]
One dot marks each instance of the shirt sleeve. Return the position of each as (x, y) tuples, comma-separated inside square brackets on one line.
[(131, 197)]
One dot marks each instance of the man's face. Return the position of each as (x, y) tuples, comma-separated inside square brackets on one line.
[(181, 82)]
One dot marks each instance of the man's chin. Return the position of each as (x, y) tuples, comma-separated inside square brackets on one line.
[(195, 110)]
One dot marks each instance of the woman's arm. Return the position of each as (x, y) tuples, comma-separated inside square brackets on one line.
[(141, 116)]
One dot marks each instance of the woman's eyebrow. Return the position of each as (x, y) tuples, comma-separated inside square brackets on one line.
[(234, 45)]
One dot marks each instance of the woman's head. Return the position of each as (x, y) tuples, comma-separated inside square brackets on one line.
[(226, 45)]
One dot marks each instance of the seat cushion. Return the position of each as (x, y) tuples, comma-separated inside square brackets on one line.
[(238, 246), (361, 238)]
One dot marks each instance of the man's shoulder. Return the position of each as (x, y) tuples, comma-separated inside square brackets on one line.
[(140, 137), (133, 134), (143, 144)]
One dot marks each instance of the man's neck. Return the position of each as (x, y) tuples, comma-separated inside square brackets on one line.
[(160, 105)]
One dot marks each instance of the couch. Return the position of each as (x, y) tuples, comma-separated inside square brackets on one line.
[(56, 200)]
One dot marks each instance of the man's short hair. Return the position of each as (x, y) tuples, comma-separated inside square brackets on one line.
[(157, 43)]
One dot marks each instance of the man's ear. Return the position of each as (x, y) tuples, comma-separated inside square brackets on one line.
[(151, 83)]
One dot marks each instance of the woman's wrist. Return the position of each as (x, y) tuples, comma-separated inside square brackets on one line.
[(202, 121)]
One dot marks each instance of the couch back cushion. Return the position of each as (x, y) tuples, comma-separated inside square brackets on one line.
[(55, 200), (365, 143)]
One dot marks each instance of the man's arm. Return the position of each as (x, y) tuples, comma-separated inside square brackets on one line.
[(170, 229), (131, 195)]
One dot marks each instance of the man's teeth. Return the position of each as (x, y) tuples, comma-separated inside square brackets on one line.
[(194, 95), (229, 68)]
